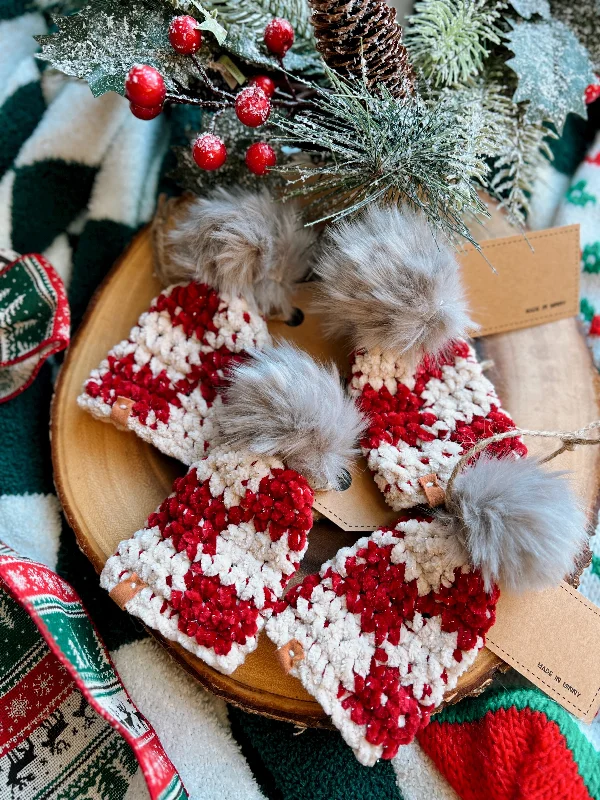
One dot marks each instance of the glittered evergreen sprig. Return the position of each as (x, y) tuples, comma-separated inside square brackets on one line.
[(369, 148)]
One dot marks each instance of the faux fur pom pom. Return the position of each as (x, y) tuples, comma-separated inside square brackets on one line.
[(522, 526), (388, 284), (240, 243), (282, 403)]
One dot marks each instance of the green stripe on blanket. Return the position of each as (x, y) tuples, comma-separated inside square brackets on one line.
[(296, 764), (19, 116)]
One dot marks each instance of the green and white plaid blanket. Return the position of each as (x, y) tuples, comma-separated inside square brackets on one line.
[(78, 177)]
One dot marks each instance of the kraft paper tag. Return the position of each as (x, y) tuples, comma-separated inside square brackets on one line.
[(361, 507), (536, 279), (552, 638)]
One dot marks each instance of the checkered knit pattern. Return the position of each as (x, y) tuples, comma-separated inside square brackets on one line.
[(581, 204), (385, 629), (217, 554), (422, 422), (167, 374)]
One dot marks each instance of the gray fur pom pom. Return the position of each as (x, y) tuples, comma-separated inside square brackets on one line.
[(282, 403), (522, 526), (241, 243), (389, 284)]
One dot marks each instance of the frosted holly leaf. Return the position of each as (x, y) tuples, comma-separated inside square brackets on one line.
[(209, 22), (527, 8), (553, 69), (247, 45), (102, 42)]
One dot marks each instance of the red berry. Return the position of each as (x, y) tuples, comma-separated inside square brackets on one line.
[(279, 36), (141, 112), (592, 93), (252, 106), (263, 82), (144, 86), (209, 152), (260, 156), (595, 326), (185, 35)]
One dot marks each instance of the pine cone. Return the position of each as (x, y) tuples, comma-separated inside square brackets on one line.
[(347, 30)]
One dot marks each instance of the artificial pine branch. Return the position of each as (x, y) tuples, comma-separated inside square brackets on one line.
[(361, 39), (253, 16), (515, 168), (382, 149), (449, 40), (515, 148)]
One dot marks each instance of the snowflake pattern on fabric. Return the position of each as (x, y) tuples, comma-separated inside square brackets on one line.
[(57, 683), (582, 206)]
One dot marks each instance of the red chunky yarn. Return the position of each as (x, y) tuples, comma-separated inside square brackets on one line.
[(372, 583), (217, 554), (508, 754), (172, 366), (422, 421), (193, 519)]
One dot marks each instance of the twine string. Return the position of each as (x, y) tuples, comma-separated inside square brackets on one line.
[(570, 440)]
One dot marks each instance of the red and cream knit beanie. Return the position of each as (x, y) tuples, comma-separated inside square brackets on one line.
[(395, 292), (240, 255), (389, 625), (216, 556), (384, 630)]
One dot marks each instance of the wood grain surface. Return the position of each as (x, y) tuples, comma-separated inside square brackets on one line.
[(109, 480)]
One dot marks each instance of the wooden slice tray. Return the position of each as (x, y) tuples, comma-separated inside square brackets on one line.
[(109, 481)]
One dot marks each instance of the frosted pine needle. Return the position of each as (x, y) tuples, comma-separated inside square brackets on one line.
[(396, 151)]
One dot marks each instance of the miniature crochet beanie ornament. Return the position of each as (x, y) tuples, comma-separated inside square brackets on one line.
[(216, 556), (389, 625), (394, 291), (239, 255)]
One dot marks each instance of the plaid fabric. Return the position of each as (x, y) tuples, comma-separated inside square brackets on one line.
[(78, 176)]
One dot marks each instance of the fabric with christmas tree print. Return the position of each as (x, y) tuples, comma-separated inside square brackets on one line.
[(163, 382), (422, 422), (384, 630), (76, 660), (51, 740), (35, 320), (217, 554)]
